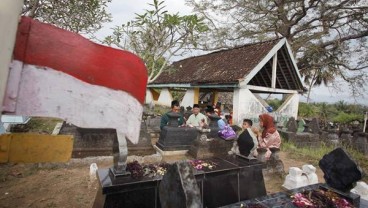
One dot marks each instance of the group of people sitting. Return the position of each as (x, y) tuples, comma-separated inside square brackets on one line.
[(196, 119), (249, 138)]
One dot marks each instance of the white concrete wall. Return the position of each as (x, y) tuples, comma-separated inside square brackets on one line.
[(165, 97), (188, 99), (246, 105), (9, 16), (288, 109)]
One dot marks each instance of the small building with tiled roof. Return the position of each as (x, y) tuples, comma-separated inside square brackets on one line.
[(265, 67)]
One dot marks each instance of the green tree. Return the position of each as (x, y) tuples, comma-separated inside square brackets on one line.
[(80, 16), (307, 110), (329, 38), (345, 118), (156, 36)]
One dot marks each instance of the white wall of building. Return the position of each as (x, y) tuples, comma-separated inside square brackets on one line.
[(165, 97), (9, 16), (288, 109), (188, 99), (246, 105)]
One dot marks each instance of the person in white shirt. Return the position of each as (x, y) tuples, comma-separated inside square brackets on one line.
[(197, 119)]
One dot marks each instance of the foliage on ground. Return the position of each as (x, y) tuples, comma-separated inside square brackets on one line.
[(42, 125)]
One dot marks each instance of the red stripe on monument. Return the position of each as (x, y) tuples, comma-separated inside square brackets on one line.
[(46, 45)]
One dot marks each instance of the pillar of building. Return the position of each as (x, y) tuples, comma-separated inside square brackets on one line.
[(9, 16), (149, 97), (165, 97)]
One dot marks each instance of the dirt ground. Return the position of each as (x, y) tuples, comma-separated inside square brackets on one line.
[(69, 185)]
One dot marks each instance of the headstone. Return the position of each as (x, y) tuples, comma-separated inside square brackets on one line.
[(144, 145), (301, 124), (178, 187), (360, 142), (173, 119), (204, 147), (310, 172), (314, 126), (361, 189), (295, 179), (291, 125), (346, 138), (340, 171), (306, 126)]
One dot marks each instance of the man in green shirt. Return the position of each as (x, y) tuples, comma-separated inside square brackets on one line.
[(175, 107), (196, 119)]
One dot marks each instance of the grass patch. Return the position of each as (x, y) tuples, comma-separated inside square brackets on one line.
[(314, 155), (42, 125)]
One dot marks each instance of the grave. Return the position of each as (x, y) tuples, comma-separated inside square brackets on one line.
[(205, 147), (231, 180), (360, 142), (99, 142), (314, 126), (301, 124), (340, 174), (291, 129), (173, 137), (179, 188)]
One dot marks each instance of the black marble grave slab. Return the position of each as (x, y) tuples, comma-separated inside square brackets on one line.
[(176, 138), (284, 200), (231, 180)]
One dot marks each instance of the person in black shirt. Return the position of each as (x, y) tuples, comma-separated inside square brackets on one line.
[(245, 140)]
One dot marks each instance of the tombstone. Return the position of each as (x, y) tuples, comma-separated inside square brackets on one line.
[(179, 188), (333, 138), (204, 147), (314, 126), (360, 142), (346, 138), (361, 189), (310, 172), (144, 145), (340, 171), (295, 179), (291, 125), (301, 124), (173, 119), (306, 126), (175, 138)]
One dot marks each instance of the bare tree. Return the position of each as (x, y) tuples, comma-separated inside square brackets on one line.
[(329, 38), (80, 16), (156, 36)]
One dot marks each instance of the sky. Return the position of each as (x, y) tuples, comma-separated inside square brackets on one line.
[(124, 10)]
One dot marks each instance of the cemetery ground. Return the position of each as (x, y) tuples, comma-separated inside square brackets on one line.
[(69, 185)]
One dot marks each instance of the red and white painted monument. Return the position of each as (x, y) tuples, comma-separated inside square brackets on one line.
[(57, 73)]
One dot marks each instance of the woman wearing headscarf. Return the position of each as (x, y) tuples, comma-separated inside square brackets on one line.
[(270, 136)]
